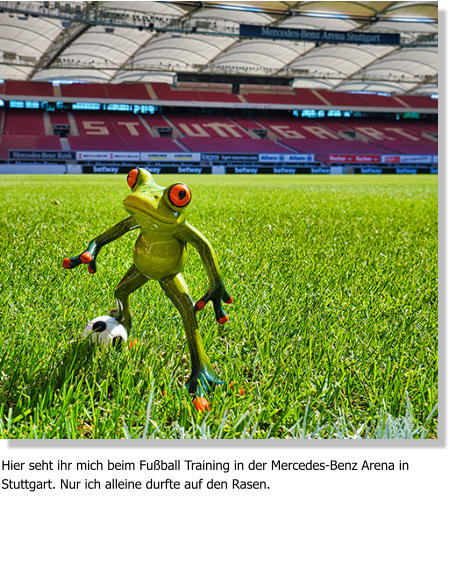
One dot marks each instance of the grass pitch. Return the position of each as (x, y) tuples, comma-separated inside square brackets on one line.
[(332, 333)]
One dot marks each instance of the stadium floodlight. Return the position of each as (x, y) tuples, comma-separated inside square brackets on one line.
[(325, 15), (412, 19), (238, 7)]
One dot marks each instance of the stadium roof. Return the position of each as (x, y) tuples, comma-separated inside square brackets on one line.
[(152, 41)]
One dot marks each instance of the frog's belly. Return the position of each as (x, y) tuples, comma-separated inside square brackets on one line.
[(159, 259)]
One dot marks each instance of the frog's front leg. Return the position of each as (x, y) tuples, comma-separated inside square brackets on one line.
[(129, 283), (217, 292), (202, 378), (89, 255)]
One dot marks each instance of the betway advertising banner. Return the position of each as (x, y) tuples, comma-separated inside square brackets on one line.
[(286, 158)]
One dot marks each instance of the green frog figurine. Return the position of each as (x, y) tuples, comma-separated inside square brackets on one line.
[(160, 253)]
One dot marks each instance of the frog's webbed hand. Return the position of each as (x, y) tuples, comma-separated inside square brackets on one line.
[(89, 255), (217, 291), (216, 294)]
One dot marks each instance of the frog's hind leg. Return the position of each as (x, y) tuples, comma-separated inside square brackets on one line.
[(129, 283), (202, 377)]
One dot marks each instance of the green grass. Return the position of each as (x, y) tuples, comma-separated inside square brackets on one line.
[(332, 333)]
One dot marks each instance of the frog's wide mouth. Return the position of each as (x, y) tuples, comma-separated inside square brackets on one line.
[(149, 208)]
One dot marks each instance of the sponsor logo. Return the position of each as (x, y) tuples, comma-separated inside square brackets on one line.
[(41, 155), (189, 169), (388, 159), (405, 170), (245, 170), (284, 170), (105, 169), (230, 157), (271, 158), (370, 170), (108, 155), (209, 156), (286, 158), (148, 156), (354, 158), (170, 156), (413, 158), (184, 156), (299, 158), (409, 158)]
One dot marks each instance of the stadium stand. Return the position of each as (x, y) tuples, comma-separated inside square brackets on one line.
[(205, 126), (117, 143), (83, 90), (127, 92), (191, 131), (275, 95), (94, 124), (218, 94), (59, 118), (233, 145), (23, 88), (20, 123), (165, 92)]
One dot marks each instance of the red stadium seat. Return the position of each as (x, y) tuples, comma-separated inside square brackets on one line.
[(419, 101), (24, 122), (24, 88), (77, 90), (27, 142), (166, 92), (127, 92)]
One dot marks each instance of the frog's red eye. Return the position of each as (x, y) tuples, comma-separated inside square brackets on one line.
[(132, 177), (179, 195)]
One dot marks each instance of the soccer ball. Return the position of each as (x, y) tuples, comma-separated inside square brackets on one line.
[(106, 331)]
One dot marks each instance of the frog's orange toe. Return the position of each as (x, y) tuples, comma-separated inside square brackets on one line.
[(67, 263), (201, 404), (133, 343), (86, 257), (200, 305), (223, 320)]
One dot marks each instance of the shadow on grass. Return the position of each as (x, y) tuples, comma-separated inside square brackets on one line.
[(25, 387)]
